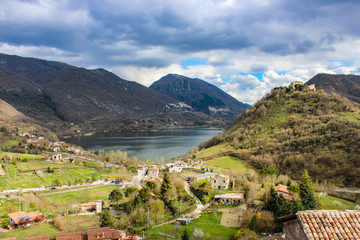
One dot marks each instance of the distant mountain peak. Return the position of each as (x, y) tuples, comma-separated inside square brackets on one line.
[(346, 85), (57, 94), (200, 95)]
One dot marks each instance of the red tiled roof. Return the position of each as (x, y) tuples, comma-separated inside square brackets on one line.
[(69, 236), (154, 168), (330, 224), (223, 176), (151, 178), (104, 233), (89, 204), (37, 238), (281, 188), (16, 215)]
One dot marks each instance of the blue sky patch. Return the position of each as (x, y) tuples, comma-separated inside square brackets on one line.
[(343, 63), (192, 62), (258, 75)]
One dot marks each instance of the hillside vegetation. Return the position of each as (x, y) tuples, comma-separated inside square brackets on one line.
[(292, 130)]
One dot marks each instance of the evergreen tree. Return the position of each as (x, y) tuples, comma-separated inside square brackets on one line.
[(106, 219), (254, 225), (168, 192), (185, 235), (281, 206), (307, 193)]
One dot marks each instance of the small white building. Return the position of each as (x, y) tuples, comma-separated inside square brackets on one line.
[(221, 182), (56, 157), (175, 169), (98, 206), (56, 149), (153, 171)]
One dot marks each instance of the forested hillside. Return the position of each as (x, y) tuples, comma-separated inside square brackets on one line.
[(292, 130)]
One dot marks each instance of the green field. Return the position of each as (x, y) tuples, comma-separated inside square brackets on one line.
[(70, 224), (211, 152), (32, 165), (80, 223), (334, 203), (20, 175), (208, 223), (227, 162), (43, 229), (81, 196), (10, 143), (22, 156)]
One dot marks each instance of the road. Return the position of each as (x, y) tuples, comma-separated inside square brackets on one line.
[(135, 181), (199, 206)]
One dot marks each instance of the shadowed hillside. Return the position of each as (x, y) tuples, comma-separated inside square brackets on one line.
[(345, 85), (200, 95), (58, 94)]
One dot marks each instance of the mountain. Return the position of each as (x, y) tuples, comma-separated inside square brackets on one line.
[(292, 130), (200, 95), (8, 112), (345, 85), (64, 97)]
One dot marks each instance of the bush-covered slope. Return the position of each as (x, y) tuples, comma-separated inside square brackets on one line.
[(295, 130)]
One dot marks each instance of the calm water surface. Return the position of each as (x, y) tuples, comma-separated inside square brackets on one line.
[(159, 145)]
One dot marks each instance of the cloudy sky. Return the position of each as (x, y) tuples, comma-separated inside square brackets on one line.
[(245, 47)]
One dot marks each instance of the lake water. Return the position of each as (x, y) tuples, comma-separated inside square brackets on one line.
[(153, 145)]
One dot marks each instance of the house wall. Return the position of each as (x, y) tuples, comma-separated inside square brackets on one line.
[(285, 194), (293, 230), (229, 200), (175, 169), (153, 173), (220, 183)]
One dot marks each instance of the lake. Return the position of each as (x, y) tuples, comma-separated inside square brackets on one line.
[(153, 145)]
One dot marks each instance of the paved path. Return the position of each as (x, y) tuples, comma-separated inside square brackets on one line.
[(199, 207), (135, 181)]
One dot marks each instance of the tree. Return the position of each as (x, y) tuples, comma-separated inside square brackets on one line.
[(144, 194), (106, 219), (254, 225), (157, 209), (307, 193), (129, 191), (151, 184), (115, 196), (281, 206), (168, 192), (185, 235), (56, 182), (133, 169)]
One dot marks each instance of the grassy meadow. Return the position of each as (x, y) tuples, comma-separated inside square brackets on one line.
[(209, 224)]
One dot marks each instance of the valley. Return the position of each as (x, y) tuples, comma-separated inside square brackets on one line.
[(245, 177), (104, 159)]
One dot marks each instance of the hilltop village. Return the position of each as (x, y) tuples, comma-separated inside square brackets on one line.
[(54, 190)]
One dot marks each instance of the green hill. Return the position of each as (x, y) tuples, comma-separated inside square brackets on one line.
[(292, 130)]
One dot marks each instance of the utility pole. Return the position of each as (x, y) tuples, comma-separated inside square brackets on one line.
[(148, 219), (19, 189)]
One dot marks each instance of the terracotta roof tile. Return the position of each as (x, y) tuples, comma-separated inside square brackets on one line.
[(330, 224)]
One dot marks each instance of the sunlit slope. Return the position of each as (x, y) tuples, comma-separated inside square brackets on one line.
[(295, 130)]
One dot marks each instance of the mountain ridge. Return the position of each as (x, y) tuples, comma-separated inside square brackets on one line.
[(200, 95), (345, 85), (60, 95)]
